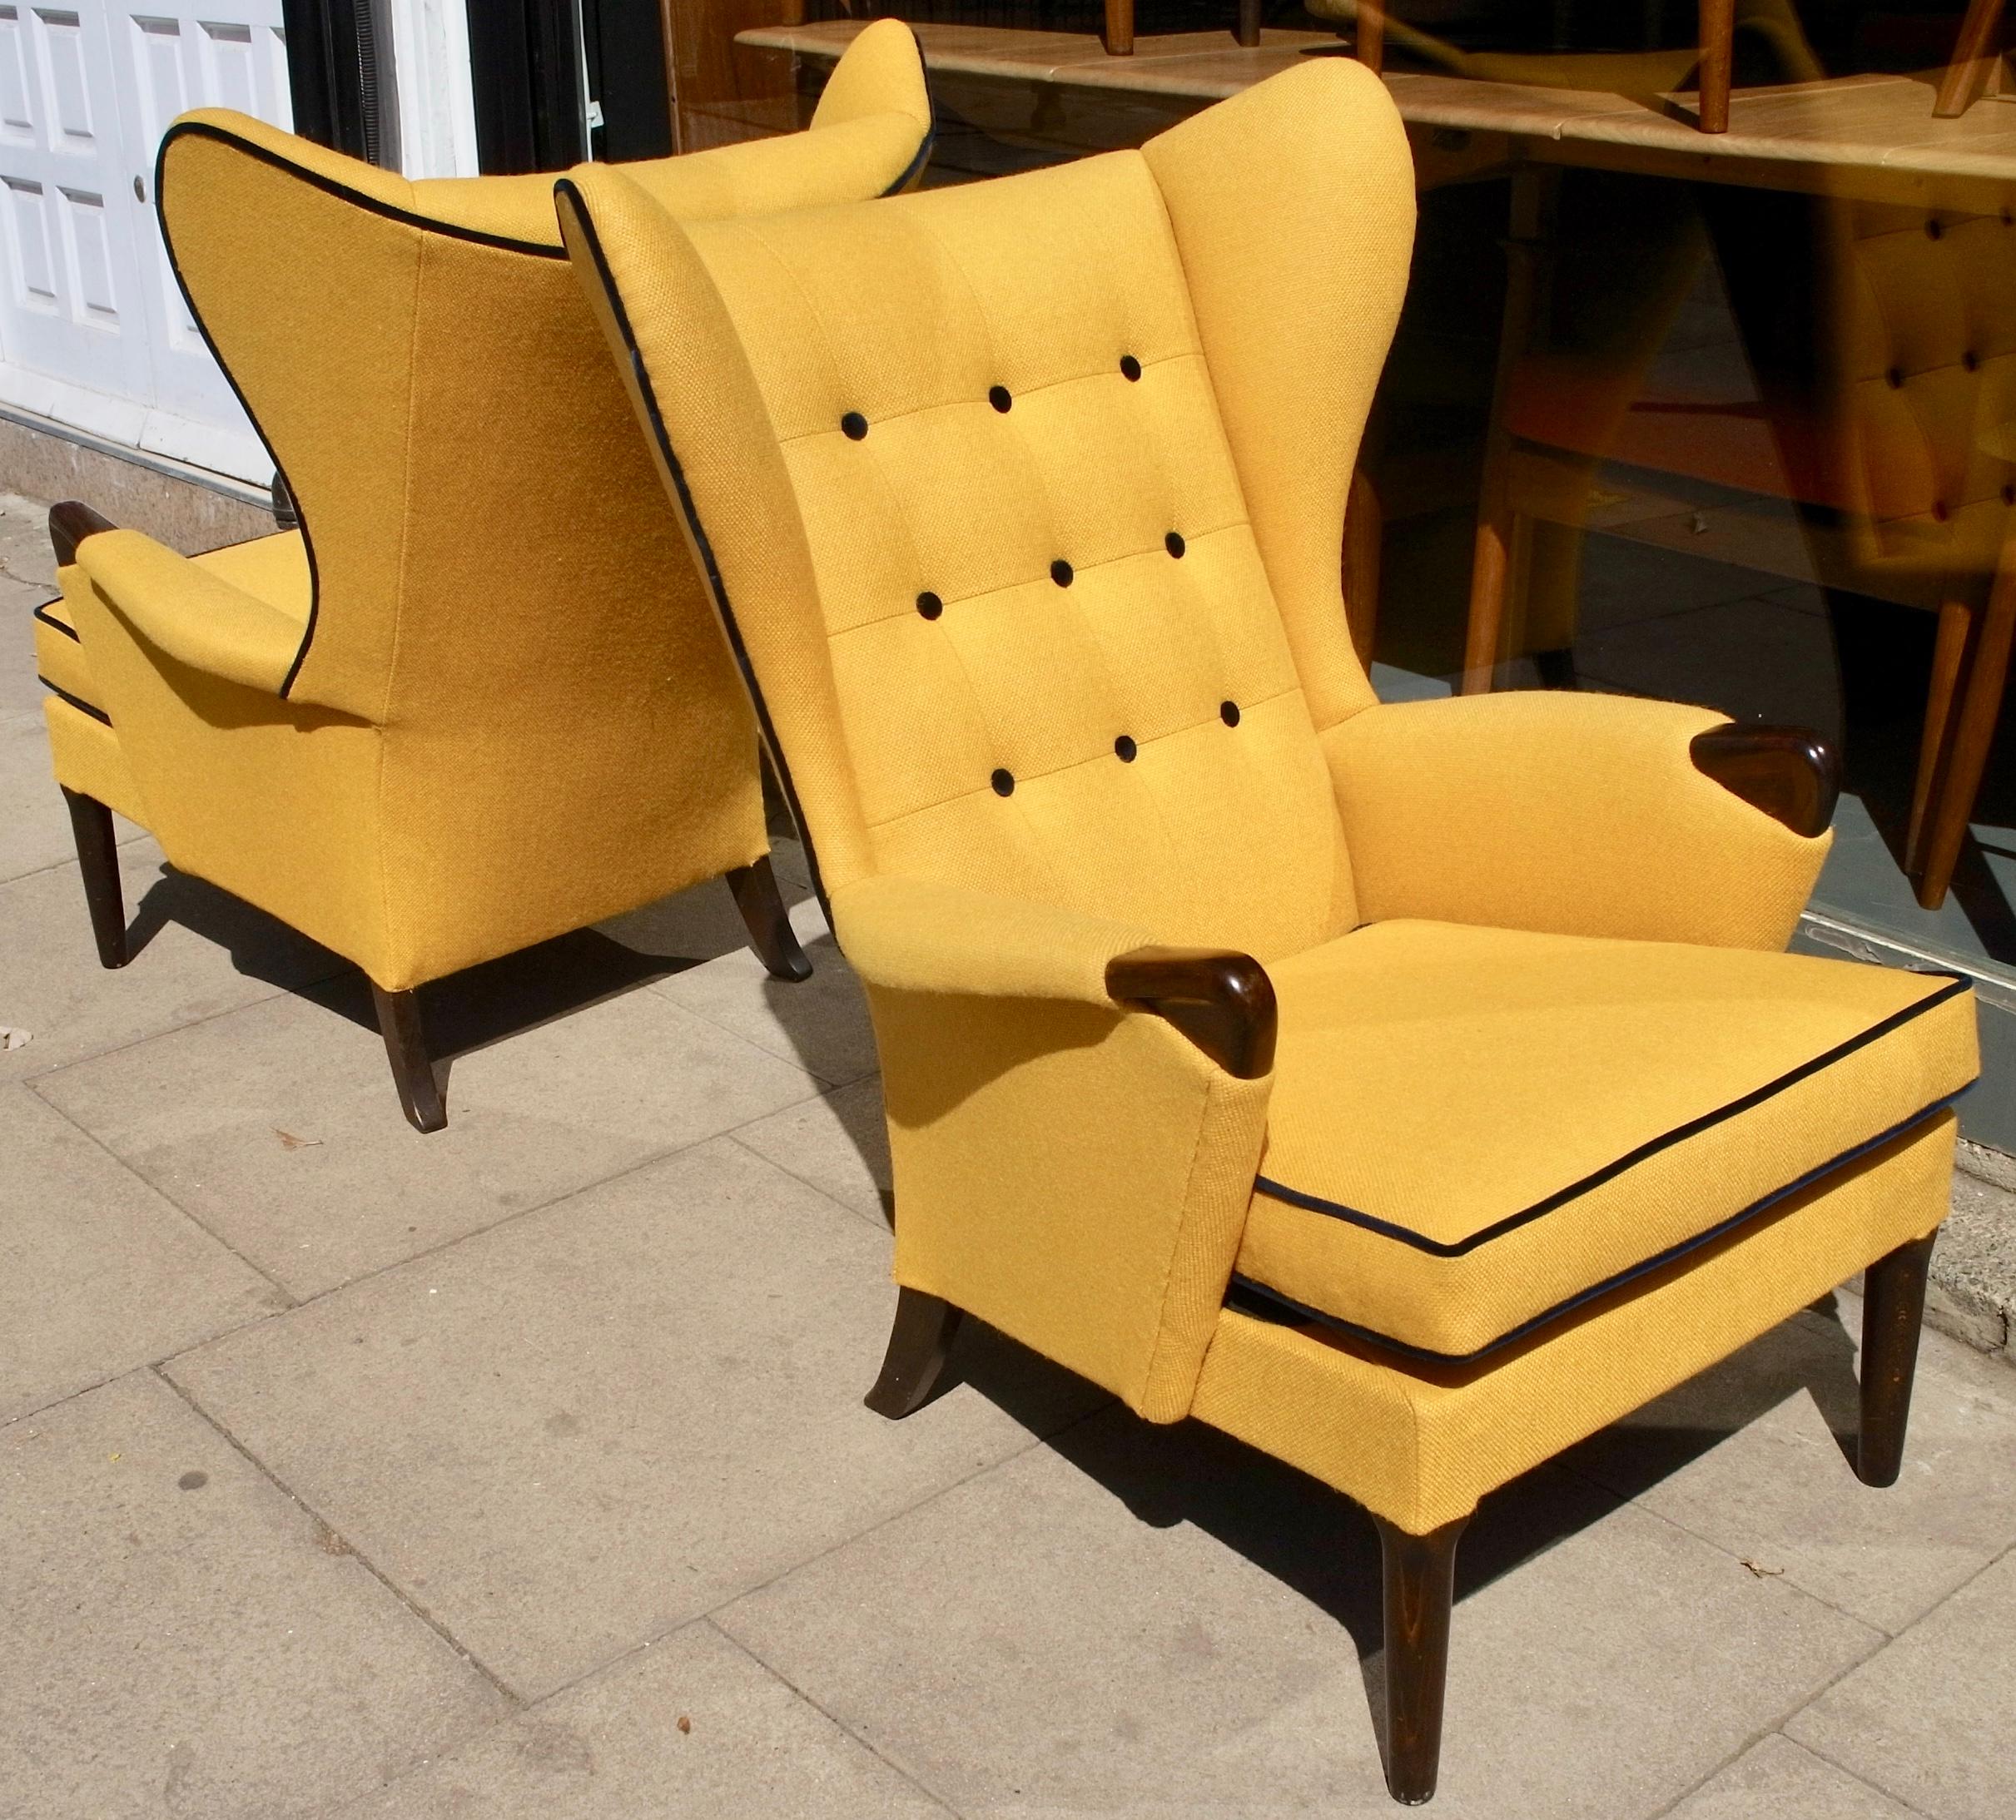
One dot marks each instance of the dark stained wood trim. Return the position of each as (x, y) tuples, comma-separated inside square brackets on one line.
[(1220, 1001), (90, 824), (1246, 31), (1789, 772), (919, 1341), (420, 1093), (1893, 1311), (69, 524), (1420, 1587), (754, 889)]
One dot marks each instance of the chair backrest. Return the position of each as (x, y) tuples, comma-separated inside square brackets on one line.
[(1024, 500), (484, 534)]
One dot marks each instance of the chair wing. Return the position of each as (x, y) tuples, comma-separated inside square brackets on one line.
[(983, 469)]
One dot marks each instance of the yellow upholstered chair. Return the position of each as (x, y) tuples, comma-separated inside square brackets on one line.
[(1408, 1090), (479, 698)]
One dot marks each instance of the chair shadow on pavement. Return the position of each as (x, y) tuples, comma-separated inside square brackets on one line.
[(465, 1011), (1322, 1547)]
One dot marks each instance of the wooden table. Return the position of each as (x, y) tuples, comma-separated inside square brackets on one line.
[(1873, 137)]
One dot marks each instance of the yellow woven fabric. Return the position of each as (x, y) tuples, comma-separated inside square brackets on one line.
[(1421, 1445), (1485, 1092), (1615, 832), (87, 758), (59, 654), (523, 717), (884, 425)]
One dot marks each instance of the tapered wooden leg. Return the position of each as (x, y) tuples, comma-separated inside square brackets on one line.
[(919, 1343), (1420, 1579), (1893, 1309), (1369, 35), (1247, 30), (1119, 34), (420, 1093), (1973, 59), (1973, 734), (1718, 30), (98, 859), (1956, 619), (762, 912), (1490, 557)]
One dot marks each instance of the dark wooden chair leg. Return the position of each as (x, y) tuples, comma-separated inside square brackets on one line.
[(98, 859), (1956, 625), (420, 1093), (1892, 1309), (919, 1342), (1420, 1579), (1368, 35), (1718, 32), (770, 931), (1119, 33), (1971, 739), (1247, 30)]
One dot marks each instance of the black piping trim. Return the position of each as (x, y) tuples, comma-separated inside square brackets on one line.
[(926, 147), (231, 379), (716, 588), (98, 714), (1511, 1223), (370, 205), (42, 613), (1246, 1288)]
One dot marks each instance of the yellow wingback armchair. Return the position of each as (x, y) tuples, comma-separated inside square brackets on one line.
[(1408, 1090), (479, 698)]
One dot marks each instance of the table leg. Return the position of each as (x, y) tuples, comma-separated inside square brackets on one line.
[(1718, 32), (1973, 56), (1120, 29)]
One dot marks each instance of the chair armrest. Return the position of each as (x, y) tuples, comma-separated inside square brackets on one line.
[(1582, 815), (936, 938), (1073, 1169), (177, 606)]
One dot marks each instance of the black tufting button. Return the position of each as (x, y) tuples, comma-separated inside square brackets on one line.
[(1228, 712), (1124, 749), (1894, 377), (854, 426), (929, 605), (1000, 397), (1173, 544), (1933, 230), (2008, 493), (1939, 511), (1970, 360), (1003, 782), (1130, 366), (1061, 572)]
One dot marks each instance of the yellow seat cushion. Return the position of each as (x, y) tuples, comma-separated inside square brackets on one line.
[(59, 656), (273, 569), (1473, 1129)]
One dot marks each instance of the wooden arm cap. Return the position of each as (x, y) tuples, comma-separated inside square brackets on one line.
[(69, 524), (1221, 1001), (1789, 772)]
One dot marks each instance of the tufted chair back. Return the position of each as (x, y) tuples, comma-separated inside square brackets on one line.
[(1034, 572), (1927, 376)]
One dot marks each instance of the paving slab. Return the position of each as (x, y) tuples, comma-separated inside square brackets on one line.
[(570, 1434), (182, 1638), (34, 825), (98, 1273), (1134, 1621), (1754, 1456), (197, 951), (1778, 1781), (839, 1143), (277, 1126), (612, 1747), (821, 1024), (1928, 1720)]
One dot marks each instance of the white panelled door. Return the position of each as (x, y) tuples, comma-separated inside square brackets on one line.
[(93, 330)]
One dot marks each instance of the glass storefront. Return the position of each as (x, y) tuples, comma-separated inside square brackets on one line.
[(1726, 417)]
